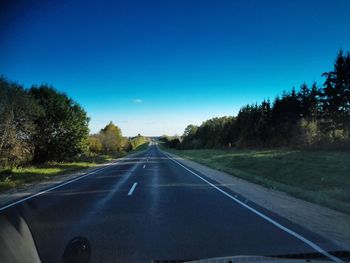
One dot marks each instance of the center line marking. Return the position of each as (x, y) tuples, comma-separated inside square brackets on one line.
[(144, 166), (132, 189)]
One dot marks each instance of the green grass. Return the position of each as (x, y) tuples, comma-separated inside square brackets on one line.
[(317, 176), (141, 147), (12, 178)]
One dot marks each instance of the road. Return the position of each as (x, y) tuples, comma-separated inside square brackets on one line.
[(151, 207)]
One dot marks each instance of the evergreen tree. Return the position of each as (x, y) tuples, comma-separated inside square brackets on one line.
[(304, 98), (264, 130), (314, 100), (335, 101)]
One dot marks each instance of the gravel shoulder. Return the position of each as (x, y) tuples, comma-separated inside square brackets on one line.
[(328, 223)]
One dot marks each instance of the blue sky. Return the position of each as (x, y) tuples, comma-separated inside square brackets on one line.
[(153, 67)]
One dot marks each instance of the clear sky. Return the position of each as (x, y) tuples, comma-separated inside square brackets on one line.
[(153, 67)]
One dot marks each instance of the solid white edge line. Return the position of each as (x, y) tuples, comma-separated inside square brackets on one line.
[(54, 187), (132, 188), (285, 229)]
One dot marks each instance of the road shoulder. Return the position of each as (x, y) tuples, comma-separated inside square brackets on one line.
[(328, 223)]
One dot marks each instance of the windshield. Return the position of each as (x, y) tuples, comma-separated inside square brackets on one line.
[(155, 131)]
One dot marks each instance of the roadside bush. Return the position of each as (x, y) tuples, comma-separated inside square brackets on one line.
[(95, 144)]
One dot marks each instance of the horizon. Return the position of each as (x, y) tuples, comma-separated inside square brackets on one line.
[(153, 68)]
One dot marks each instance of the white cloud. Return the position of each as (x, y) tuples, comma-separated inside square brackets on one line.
[(137, 101)]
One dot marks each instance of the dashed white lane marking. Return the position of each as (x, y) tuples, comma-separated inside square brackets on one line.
[(132, 188), (285, 229)]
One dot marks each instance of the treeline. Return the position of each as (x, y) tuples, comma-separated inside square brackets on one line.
[(40, 124), (312, 116)]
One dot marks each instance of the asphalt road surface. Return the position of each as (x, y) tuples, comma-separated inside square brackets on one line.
[(151, 207)]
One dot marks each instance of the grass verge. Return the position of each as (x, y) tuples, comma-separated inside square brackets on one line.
[(316, 176), (141, 147), (12, 178)]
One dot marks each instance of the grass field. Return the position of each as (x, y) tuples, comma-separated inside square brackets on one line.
[(319, 177), (11, 178)]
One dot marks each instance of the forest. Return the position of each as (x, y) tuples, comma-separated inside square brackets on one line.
[(40, 125), (311, 117)]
